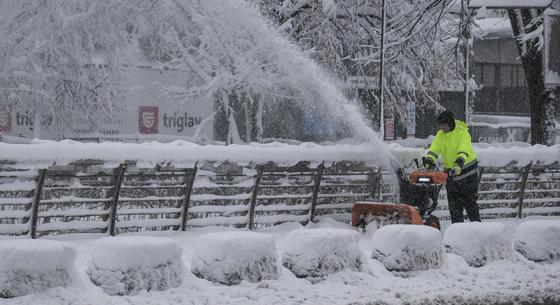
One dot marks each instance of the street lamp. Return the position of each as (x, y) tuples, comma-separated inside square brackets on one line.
[(381, 64)]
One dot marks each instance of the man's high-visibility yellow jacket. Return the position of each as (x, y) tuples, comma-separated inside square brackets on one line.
[(454, 145)]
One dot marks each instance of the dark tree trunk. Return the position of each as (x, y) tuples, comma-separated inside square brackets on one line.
[(542, 100)]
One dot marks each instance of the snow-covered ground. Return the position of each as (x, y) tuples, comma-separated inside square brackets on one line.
[(507, 281)]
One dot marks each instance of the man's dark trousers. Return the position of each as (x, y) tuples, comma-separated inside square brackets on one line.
[(463, 194)]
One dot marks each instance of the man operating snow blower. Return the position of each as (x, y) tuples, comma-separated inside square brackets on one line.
[(453, 144)]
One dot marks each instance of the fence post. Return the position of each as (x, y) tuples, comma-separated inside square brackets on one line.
[(186, 200), (253, 202), (118, 179), (316, 189), (526, 170), (376, 187), (35, 204)]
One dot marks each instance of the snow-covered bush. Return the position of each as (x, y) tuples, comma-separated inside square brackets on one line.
[(538, 240), (231, 257), (478, 242), (408, 247), (126, 265), (317, 253), (30, 266)]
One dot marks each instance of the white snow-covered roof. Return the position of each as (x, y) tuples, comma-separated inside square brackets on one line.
[(489, 28), (509, 3), (503, 121)]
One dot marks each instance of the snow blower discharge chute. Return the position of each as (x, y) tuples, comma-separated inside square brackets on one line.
[(420, 191)]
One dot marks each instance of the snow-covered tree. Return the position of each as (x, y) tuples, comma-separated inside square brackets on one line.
[(67, 59), (58, 58), (345, 37), (239, 60), (527, 25)]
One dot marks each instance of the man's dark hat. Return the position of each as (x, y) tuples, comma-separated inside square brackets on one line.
[(447, 117)]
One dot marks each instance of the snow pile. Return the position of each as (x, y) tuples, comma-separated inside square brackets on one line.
[(30, 266), (126, 265), (408, 247), (538, 240), (494, 155), (500, 121), (231, 257), (183, 153), (478, 242), (317, 253)]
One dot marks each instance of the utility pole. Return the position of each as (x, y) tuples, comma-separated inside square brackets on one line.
[(466, 41), (381, 66)]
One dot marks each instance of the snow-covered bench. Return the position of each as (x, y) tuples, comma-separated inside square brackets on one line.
[(126, 265), (317, 253), (478, 242), (231, 257), (31, 265), (408, 247), (538, 240)]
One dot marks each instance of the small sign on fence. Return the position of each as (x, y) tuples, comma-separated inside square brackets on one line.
[(389, 128), (411, 119)]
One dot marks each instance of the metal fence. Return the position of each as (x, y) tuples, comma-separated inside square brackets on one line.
[(515, 191), (86, 197)]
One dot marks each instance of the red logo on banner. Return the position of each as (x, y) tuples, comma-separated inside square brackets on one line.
[(5, 120), (148, 119)]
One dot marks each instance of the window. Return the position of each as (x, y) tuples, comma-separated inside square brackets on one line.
[(489, 75), (521, 82), (477, 73), (506, 76), (514, 75)]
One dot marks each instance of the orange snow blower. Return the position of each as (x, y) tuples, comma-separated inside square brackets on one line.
[(419, 192)]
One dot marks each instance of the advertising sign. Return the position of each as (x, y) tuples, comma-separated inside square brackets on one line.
[(145, 113), (411, 119), (389, 129), (484, 134)]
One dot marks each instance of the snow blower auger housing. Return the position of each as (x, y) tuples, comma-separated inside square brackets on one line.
[(363, 213), (420, 192)]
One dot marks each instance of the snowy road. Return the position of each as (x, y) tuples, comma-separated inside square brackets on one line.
[(499, 282)]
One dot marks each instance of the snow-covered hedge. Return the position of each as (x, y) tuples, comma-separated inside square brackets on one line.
[(230, 257), (495, 155), (538, 240), (478, 242), (181, 153), (30, 266), (408, 247), (126, 265), (319, 252)]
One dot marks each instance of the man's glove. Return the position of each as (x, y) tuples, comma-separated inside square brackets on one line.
[(455, 170), (428, 163)]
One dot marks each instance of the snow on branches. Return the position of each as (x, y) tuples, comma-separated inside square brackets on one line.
[(344, 36), (69, 59)]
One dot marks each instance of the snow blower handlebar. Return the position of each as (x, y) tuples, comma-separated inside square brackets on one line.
[(428, 177)]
